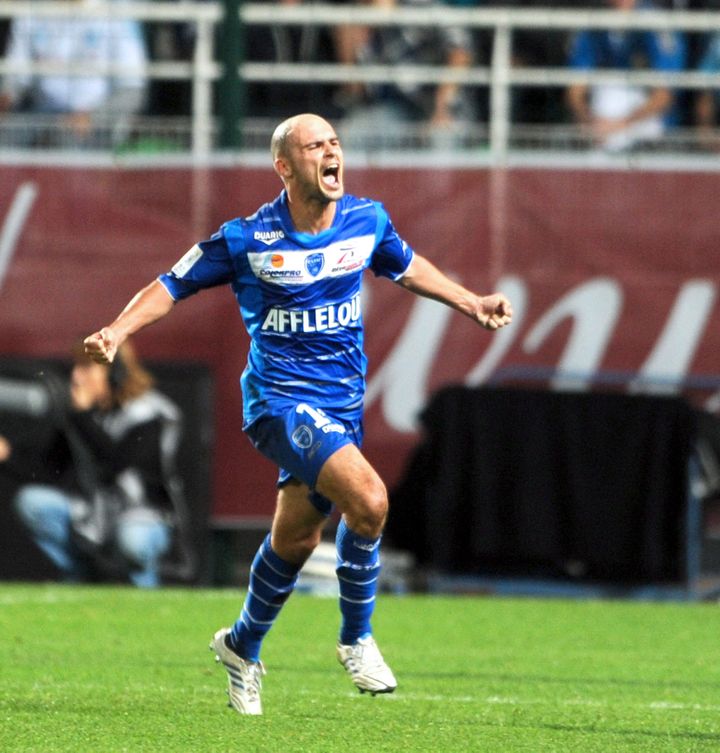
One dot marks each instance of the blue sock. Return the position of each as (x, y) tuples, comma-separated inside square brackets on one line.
[(272, 580), (358, 568)]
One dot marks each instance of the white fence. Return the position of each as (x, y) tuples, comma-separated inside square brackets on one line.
[(500, 75), (201, 71)]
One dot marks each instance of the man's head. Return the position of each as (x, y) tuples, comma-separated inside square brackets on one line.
[(308, 158)]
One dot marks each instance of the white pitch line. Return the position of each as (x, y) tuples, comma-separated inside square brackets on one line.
[(68, 594), (494, 700), (47, 598)]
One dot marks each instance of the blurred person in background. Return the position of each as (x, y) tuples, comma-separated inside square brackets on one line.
[(170, 41), (696, 42), (538, 48), (437, 111), (4, 31), (278, 43), (707, 101), (349, 41), (620, 116), (90, 110), (103, 498), (531, 47), (689, 4)]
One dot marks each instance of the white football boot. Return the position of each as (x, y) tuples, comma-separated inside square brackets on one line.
[(244, 677), (366, 666)]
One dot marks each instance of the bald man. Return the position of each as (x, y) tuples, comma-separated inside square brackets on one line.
[(295, 267)]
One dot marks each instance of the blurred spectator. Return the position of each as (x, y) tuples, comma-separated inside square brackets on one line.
[(103, 498), (619, 116), (688, 4), (350, 41), (696, 42), (444, 110), (540, 48), (531, 47), (290, 44), (707, 100), (4, 31), (81, 105), (170, 41)]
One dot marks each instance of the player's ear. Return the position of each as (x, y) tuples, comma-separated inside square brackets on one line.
[(282, 168)]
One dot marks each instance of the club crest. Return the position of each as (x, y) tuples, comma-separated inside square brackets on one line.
[(314, 264), (302, 436)]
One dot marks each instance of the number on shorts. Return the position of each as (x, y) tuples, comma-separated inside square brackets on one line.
[(318, 416)]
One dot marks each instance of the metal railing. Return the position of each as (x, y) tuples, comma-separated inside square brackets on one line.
[(201, 71), (499, 76)]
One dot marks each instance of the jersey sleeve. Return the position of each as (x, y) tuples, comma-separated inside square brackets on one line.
[(206, 265), (392, 255), (710, 61), (582, 52), (666, 50)]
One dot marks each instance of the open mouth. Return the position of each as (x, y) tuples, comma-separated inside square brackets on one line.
[(331, 176)]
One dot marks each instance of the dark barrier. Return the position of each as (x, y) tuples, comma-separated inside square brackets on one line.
[(31, 393), (552, 485)]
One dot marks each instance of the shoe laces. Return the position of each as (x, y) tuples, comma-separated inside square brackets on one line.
[(253, 674), (251, 671), (364, 655)]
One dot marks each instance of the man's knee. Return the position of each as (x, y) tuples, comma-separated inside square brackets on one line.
[(368, 515), (297, 526), (30, 502), (357, 491), (295, 546), (142, 543), (43, 509)]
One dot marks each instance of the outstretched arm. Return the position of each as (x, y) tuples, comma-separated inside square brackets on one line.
[(150, 304), (424, 278)]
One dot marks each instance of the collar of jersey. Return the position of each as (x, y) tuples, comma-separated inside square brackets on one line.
[(308, 240)]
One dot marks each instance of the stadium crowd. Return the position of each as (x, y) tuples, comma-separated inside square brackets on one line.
[(444, 109)]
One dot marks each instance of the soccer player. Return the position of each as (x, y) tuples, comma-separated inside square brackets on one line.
[(295, 267)]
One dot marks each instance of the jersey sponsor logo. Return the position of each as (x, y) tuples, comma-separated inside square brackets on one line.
[(187, 262), (268, 237), (350, 259), (283, 275), (272, 269), (320, 319), (314, 264), (366, 547), (302, 266)]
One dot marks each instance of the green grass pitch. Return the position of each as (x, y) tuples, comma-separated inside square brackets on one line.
[(103, 669)]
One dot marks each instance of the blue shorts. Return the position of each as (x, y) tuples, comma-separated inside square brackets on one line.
[(300, 440)]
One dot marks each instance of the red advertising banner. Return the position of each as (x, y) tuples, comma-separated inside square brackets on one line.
[(613, 276)]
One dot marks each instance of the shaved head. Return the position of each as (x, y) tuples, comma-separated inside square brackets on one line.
[(308, 159), (282, 134)]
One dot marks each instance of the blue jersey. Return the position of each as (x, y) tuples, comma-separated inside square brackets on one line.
[(299, 297), (627, 49), (658, 50)]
